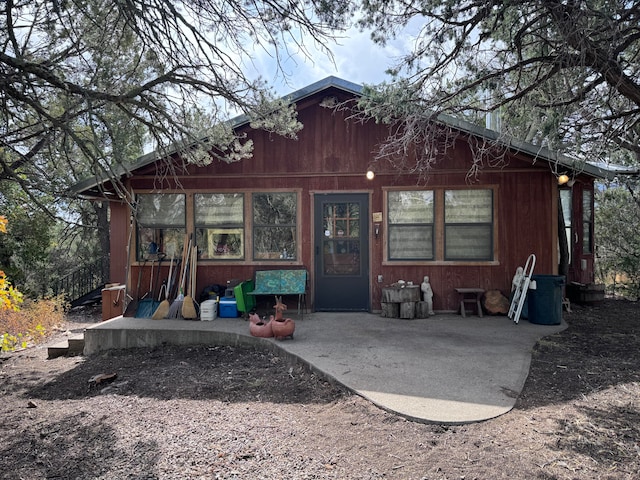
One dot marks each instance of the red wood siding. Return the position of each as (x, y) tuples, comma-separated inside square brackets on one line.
[(119, 231), (332, 155)]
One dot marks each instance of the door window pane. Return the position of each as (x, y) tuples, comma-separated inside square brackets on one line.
[(468, 216), (274, 226), (341, 239), (219, 221), (411, 230)]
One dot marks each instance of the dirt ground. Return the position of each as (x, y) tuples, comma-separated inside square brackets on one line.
[(233, 413)]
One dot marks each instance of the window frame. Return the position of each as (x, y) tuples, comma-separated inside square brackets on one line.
[(588, 243), (159, 228), (448, 225), (222, 228), (404, 225), (439, 228), (291, 255), (190, 226), (566, 202)]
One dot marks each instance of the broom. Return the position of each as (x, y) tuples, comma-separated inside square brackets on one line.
[(163, 309), (176, 307), (188, 306)]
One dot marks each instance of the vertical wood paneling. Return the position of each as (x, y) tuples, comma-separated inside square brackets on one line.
[(119, 238), (333, 155)]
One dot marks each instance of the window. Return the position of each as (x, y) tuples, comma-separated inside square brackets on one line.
[(411, 216), (274, 226), (161, 224), (261, 226), (219, 222), (468, 217), (587, 221), (440, 225)]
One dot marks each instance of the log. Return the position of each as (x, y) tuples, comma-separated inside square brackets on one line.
[(400, 295), (422, 310), (408, 310), (495, 303), (390, 310)]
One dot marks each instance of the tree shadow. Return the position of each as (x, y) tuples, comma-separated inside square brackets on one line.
[(597, 351), (607, 435), (72, 447), (224, 373)]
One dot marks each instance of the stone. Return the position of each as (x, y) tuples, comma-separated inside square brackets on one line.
[(495, 303)]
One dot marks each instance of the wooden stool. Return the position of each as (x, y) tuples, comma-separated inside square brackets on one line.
[(470, 295)]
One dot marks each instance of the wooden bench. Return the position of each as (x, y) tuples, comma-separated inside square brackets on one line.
[(471, 296), (281, 282)]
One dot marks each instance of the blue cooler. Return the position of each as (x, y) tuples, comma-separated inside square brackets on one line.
[(228, 307)]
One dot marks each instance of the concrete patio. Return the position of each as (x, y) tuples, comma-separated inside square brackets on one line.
[(443, 369)]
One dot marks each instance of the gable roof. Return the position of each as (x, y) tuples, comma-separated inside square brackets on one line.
[(537, 152)]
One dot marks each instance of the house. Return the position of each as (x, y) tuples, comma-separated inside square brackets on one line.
[(308, 204)]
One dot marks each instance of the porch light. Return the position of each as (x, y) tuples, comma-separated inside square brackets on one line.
[(562, 179), (370, 175)]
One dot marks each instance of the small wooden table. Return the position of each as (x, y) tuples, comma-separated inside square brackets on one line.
[(472, 296)]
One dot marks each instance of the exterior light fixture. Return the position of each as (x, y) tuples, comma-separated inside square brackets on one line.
[(562, 179), (370, 175)]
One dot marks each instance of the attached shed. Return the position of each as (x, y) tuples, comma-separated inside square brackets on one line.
[(308, 204)]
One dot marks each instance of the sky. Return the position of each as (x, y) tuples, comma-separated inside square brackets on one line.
[(356, 59)]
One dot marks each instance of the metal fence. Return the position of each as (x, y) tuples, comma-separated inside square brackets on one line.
[(83, 282)]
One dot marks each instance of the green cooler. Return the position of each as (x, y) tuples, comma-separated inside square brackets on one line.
[(245, 303)]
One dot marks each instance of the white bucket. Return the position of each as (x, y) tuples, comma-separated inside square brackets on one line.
[(208, 310)]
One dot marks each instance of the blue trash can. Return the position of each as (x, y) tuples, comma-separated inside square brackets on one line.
[(545, 302)]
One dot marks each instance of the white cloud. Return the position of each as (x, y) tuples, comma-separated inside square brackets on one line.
[(356, 58)]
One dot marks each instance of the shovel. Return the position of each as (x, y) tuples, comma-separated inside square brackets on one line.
[(148, 305), (132, 306)]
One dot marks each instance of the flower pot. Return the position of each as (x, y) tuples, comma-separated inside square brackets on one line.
[(260, 329), (283, 328)]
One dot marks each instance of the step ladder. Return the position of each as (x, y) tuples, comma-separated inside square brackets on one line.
[(521, 281)]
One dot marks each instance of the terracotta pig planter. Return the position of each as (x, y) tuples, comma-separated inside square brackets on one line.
[(283, 328), (258, 328)]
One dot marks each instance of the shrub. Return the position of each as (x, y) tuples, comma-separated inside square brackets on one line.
[(31, 324), (10, 297)]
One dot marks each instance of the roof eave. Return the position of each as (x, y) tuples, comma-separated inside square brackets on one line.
[(600, 171), (236, 122), (535, 151)]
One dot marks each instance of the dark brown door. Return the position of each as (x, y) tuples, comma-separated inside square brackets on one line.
[(342, 252)]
